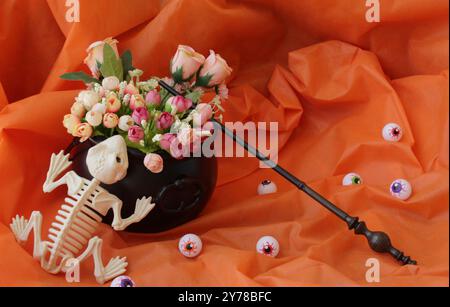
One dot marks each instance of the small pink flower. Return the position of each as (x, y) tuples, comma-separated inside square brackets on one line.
[(177, 150), (166, 141), (110, 120), (180, 103), (137, 101), (140, 114), (223, 91), (154, 163), (131, 90), (165, 121), (135, 134), (153, 98)]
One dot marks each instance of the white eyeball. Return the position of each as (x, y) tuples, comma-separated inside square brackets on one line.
[(268, 246), (123, 282), (401, 189), (392, 132), (267, 187), (351, 179), (190, 245)]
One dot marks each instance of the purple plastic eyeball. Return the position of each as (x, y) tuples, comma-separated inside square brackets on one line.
[(392, 132), (267, 187), (190, 245), (123, 282), (401, 189), (268, 246), (352, 179)]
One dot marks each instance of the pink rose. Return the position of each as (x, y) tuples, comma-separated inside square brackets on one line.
[(135, 134), (180, 103), (166, 141), (140, 114), (214, 71), (154, 163), (153, 98), (95, 54), (185, 63), (165, 121), (83, 131), (110, 120), (137, 101)]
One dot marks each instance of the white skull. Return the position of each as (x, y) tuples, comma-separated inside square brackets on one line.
[(108, 160)]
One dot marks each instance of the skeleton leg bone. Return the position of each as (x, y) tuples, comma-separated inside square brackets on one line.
[(22, 229), (115, 267), (58, 163)]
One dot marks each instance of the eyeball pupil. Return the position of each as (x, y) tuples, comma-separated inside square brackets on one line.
[(189, 246), (396, 187), (396, 131), (266, 182), (356, 180), (267, 249), (126, 283), (118, 160)]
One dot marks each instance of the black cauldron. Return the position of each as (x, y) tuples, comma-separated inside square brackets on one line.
[(181, 191)]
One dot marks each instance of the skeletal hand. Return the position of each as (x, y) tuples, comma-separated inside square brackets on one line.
[(58, 163)]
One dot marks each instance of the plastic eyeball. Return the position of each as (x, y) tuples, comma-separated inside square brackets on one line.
[(123, 282), (190, 245), (401, 189), (268, 246), (392, 132), (267, 187), (352, 179)]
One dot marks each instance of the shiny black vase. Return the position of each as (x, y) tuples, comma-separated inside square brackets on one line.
[(181, 191)]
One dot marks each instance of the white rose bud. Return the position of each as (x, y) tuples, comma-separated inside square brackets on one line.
[(99, 107)]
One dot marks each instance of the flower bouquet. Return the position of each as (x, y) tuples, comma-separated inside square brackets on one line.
[(164, 133)]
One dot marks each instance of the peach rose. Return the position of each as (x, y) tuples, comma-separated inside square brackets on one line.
[(214, 71), (110, 120), (83, 131), (111, 83), (185, 63), (70, 122), (154, 163), (113, 103), (95, 54)]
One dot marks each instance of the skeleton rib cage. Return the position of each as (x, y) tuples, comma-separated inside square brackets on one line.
[(75, 223)]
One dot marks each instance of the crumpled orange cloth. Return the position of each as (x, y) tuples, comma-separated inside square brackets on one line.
[(330, 78)]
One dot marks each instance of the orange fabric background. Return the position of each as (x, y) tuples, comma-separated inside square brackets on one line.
[(331, 79)]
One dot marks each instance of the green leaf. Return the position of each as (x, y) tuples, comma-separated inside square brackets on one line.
[(112, 66), (79, 76), (127, 62), (203, 81)]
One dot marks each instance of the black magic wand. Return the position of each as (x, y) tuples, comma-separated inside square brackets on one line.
[(378, 241)]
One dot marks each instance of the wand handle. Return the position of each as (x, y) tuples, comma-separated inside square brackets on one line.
[(378, 241)]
